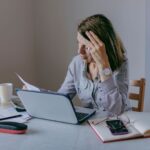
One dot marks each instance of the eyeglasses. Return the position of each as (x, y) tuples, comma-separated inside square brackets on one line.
[(124, 118)]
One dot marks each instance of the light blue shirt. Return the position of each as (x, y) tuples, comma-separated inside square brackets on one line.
[(110, 96)]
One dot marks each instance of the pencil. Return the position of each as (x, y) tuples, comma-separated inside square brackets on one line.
[(10, 117)]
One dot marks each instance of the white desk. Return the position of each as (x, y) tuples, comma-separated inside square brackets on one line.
[(49, 135)]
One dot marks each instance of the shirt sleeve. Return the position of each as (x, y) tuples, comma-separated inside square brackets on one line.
[(68, 86), (114, 92)]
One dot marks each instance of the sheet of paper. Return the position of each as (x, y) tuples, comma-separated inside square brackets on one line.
[(11, 111), (28, 85), (24, 118), (7, 111)]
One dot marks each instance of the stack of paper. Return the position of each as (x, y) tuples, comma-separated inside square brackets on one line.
[(10, 112)]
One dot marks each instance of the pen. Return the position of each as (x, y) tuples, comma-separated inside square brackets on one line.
[(99, 121), (10, 117)]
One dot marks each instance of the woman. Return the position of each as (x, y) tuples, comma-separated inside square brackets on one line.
[(99, 74)]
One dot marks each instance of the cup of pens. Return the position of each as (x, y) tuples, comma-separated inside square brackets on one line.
[(6, 90)]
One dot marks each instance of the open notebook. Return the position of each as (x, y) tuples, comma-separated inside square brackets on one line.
[(139, 126)]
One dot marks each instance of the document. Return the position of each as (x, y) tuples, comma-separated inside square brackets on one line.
[(9, 113), (138, 127), (6, 112), (28, 85)]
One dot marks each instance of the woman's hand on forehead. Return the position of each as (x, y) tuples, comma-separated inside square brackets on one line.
[(83, 40)]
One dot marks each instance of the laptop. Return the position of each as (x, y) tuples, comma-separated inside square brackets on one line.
[(53, 106)]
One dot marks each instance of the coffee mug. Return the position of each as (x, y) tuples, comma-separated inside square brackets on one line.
[(6, 90)]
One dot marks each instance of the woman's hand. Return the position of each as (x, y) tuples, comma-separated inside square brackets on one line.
[(94, 51), (24, 87), (83, 49), (99, 55), (97, 50)]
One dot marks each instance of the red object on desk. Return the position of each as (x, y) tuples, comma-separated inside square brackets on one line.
[(12, 127)]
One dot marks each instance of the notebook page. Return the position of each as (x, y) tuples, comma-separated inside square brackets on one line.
[(141, 121)]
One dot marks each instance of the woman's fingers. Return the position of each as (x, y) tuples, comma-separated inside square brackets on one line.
[(84, 40), (98, 51), (93, 41), (93, 48), (96, 38), (24, 87)]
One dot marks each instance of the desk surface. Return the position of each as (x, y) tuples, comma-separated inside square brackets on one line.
[(49, 135)]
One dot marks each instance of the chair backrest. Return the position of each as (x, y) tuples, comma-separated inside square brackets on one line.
[(139, 97)]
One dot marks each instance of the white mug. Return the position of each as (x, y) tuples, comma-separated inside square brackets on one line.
[(6, 90)]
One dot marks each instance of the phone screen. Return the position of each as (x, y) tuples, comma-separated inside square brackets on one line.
[(117, 127)]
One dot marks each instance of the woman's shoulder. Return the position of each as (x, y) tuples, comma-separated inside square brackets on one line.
[(124, 68), (77, 58), (124, 64), (76, 64), (76, 61)]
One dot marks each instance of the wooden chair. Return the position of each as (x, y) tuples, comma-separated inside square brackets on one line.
[(139, 97)]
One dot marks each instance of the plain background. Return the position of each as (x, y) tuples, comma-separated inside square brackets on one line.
[(38, 37)]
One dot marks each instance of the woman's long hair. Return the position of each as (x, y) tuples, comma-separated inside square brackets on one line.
[(103, 28)]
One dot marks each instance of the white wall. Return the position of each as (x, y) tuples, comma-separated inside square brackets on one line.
[(56, 24), (16, 41), (147, 60), (55, 40)]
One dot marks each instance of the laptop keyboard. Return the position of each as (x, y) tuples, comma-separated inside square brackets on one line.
[(80, 115)]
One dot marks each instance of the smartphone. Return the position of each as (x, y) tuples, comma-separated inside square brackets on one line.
[(117, 127)]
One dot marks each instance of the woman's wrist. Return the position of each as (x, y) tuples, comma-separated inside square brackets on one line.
[(105, 72)]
